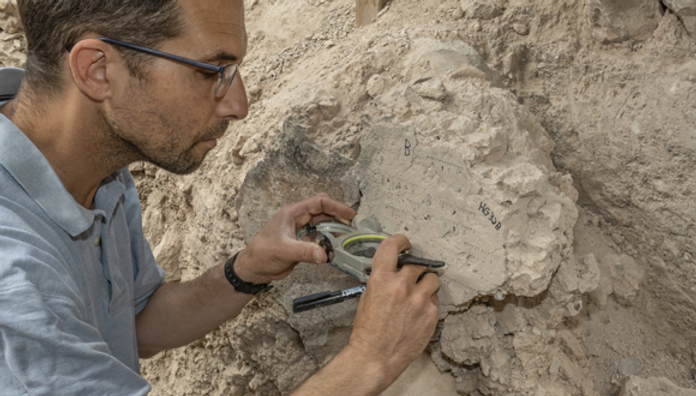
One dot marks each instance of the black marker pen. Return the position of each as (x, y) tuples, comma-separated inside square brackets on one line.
[(325, 298)]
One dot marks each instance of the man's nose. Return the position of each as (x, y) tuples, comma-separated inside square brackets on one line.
[(234, 105)]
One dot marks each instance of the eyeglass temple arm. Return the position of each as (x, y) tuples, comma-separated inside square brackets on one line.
[(166, 55), (162, 54)]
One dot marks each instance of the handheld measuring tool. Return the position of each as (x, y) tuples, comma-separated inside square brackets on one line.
[(350, 250)]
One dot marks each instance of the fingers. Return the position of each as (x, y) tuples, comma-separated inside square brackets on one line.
[(429, 285), (426, 283), (388, 253), (412, 272), (318, 219), (435, 299), (306, 252), (321, 204)]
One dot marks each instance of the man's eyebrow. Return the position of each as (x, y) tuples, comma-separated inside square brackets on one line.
[(221, 56)]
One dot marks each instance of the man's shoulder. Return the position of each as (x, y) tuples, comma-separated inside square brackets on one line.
[(16, 206), (24, 226), (34, 256)]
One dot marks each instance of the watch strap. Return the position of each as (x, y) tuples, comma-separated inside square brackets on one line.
[(239, 284)]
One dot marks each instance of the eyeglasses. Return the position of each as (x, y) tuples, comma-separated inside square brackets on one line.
[(226, 73)]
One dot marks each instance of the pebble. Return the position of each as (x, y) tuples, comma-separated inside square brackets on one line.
[(521, 29), (432, 88), (376, 86), (630, 366)]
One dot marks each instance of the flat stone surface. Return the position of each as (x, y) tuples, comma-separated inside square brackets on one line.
[(686, 11), (620, 20), (653, 386)]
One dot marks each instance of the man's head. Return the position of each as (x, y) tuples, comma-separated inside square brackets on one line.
[(55, 25), (145, 107)]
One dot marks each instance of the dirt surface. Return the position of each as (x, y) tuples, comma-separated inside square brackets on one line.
[(595, 98)]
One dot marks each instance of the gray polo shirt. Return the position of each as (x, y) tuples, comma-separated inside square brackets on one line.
[(71, 280)]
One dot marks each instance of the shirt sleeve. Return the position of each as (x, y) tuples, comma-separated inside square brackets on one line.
[(148, 275), (47, 349)]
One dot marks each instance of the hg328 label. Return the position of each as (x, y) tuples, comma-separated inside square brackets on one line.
[(483, 208)]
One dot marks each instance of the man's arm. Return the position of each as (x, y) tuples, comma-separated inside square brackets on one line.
[(396, 315), (179, 313)]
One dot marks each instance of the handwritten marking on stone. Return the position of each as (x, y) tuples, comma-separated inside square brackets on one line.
[(491, 217), (457, 226), (403, 183), (477, 249), (456, 209), (437, 162)]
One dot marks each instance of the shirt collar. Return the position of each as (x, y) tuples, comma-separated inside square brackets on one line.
[(32, 171)]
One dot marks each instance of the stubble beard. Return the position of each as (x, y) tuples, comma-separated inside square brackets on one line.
[(170, 153)]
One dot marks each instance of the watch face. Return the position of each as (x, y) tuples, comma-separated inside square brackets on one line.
[(363, 246)]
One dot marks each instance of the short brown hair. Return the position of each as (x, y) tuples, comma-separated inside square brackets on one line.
[(52, 26)]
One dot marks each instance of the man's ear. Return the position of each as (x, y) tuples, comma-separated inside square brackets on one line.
[(94, 66)]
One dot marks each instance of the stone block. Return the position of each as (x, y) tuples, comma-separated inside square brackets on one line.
[(614, 21), (653, 386), (483, 9), (686, 11)]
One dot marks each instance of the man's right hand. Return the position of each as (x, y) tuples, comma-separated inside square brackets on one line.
[(396, 318), (397, 314)]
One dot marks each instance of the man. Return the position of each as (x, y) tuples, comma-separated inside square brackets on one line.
[(81, 298)]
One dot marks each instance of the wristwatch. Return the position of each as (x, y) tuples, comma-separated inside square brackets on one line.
[(239, 284), (10, 81)]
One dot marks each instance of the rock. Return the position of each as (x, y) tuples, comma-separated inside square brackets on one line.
[(600, 295), (376, 85), (630, 366), (422, 378), (614, 21), (431, 88), (467, 381), (521, 28), (466, 338), (468, 71), (433, 58), (574, 307), (627, 276), (305, 170), (511, 319), (686, 11), (452, 173), (653, 386), (254, 93), (582, 275), (168, 254), (483, 9), (554, 368), (590, 276)]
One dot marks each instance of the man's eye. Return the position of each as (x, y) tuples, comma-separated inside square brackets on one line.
[(208, 75)]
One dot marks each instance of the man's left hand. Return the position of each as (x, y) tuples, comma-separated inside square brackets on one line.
[(275, 251)]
